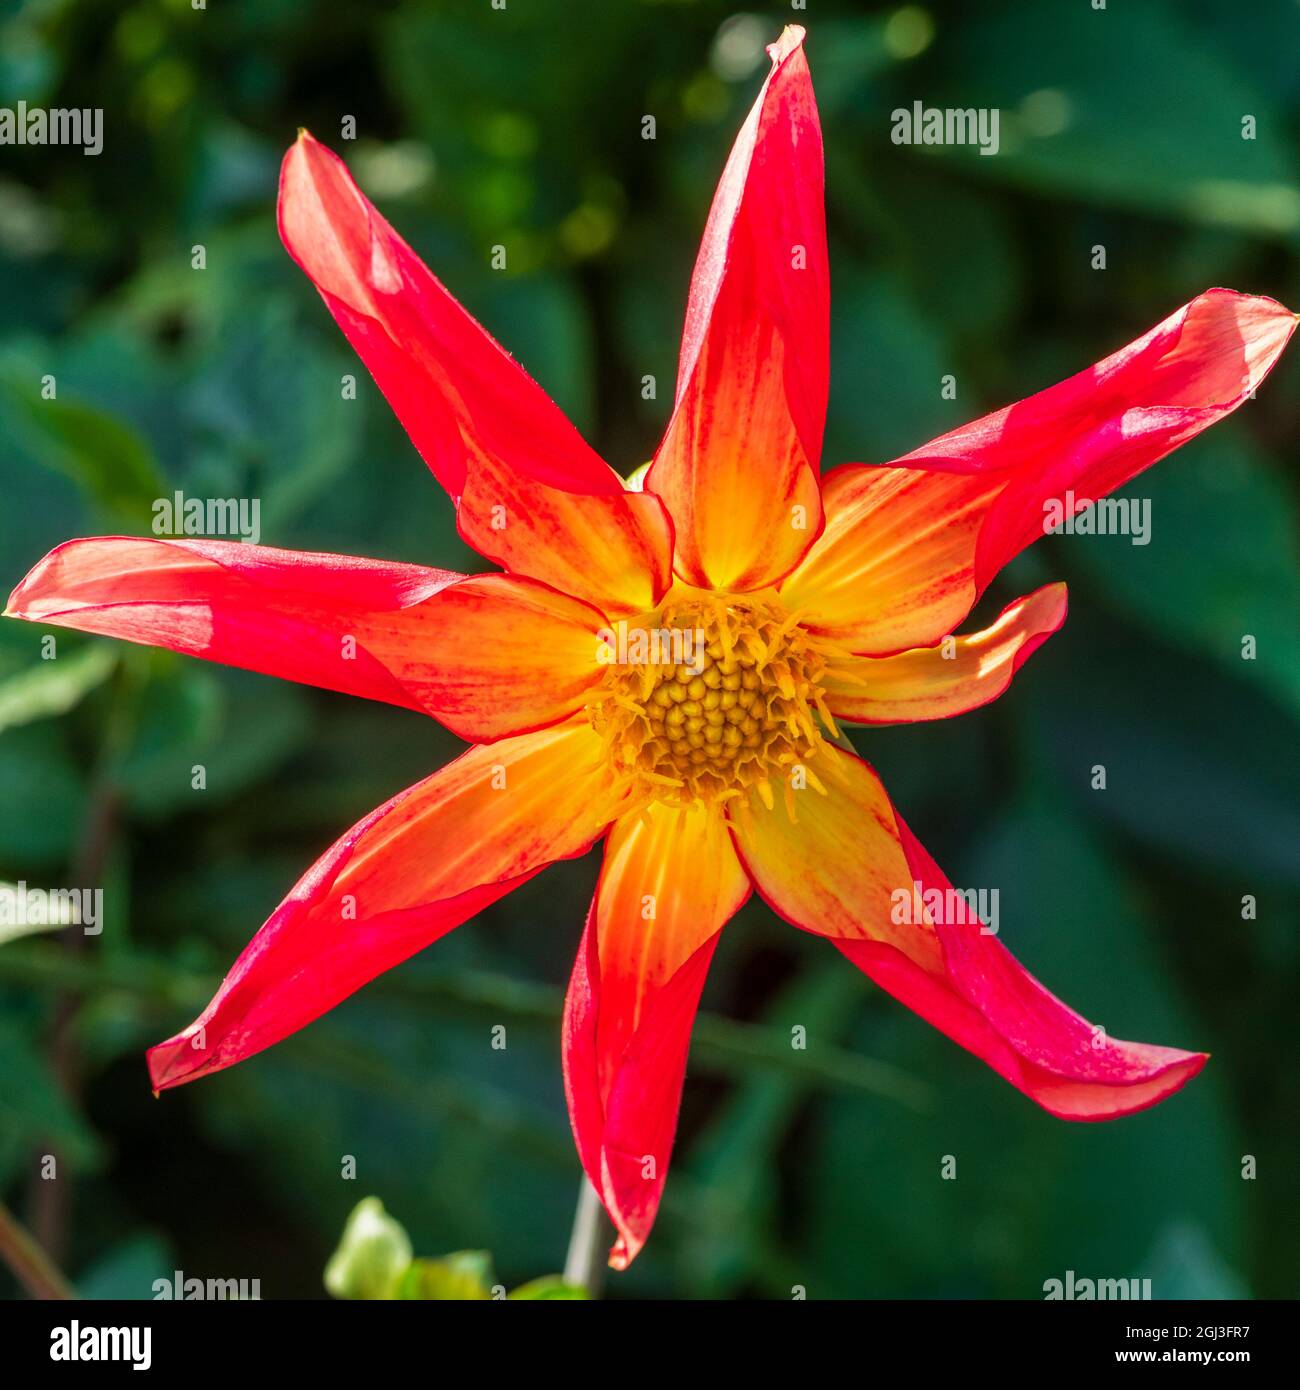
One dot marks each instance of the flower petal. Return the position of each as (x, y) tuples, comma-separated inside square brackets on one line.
[(488, 655), (853, 872), (956, 675), (632, 1000), (532, 494), (614, 551), (893, 568), (501, 655), (909, 547), (407, 874), (737, 466)]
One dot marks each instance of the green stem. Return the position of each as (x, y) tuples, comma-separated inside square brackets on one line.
[(31, 1266), (728, 1046), (584, 1265)]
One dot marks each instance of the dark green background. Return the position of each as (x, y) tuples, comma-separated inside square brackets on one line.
[(523, 128)]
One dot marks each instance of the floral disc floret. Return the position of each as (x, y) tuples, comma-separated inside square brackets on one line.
[(712, 697)]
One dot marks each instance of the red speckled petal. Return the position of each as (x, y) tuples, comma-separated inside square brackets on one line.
[(401, 878), (488, 656), (737, 466), (670, 882), (532, 494), (908, 547), (850, 870)]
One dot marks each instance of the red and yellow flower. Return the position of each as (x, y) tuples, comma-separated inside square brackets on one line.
[(813, 601)]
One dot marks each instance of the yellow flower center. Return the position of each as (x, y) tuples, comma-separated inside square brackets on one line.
[(710, 697)]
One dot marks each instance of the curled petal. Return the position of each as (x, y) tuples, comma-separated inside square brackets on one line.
[(670, 882), (401, 878), (737, 466), (910, 546), (853, 872), (488, 655), (482, 424), (956, 675)]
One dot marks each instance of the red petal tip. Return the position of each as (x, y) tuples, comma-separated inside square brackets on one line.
[(792, 36)]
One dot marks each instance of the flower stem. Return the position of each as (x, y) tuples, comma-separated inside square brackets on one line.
[(583, 1265), (31, 1266)]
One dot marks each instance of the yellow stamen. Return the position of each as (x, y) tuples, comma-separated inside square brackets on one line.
[(729, 696)]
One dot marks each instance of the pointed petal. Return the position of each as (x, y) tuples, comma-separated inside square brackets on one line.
[(852, 871), (632, 1000), (893, 568), (737, 466), (614, 551), (956, 675), (488, 655), (932, 529), (533, 496), (500, 655), (407, 874)]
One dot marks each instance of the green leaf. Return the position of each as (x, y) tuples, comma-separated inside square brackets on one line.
[(128, 1270), (1220, 564), (1194, 761), (268, 414), (548, 1286), (733, 1165), (886, 368), (236, 727), (53, 687), (35, 1110), (1088, 101), (181, 709), (465, 1276), (108, 459), (37, 770), (48, 915), (373, 1254)]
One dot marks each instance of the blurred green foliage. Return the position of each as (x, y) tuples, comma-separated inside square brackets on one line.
[(1122, 128), (374, 1260)]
